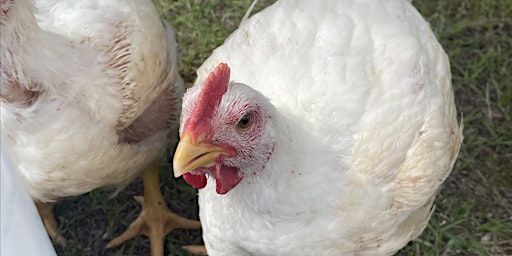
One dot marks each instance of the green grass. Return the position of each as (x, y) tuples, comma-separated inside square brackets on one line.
[(473, 214), (474, 210)]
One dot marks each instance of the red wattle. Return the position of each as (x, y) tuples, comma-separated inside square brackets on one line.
[(196, 181), (226, 178)]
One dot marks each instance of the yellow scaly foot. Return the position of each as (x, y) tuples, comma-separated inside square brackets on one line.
[(155, 220)]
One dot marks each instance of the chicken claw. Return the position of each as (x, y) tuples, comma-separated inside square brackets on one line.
[(155, 220)]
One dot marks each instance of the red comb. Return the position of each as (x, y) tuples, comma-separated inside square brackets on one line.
[(214, 87)]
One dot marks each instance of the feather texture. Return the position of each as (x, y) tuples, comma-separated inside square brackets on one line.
[(90, 90), (361, 118)]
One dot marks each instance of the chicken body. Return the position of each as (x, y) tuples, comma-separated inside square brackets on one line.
[(329, 133), (90, 92), (75, 88)]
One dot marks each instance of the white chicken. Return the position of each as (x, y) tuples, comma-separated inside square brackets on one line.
[(90, 91), (326, 128)]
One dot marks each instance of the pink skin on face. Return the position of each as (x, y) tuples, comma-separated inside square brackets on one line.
[(214, 88)]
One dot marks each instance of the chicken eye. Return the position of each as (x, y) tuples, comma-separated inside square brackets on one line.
[(245, 123)]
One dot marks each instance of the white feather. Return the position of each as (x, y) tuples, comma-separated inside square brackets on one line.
[(365, 130), (66, 141)]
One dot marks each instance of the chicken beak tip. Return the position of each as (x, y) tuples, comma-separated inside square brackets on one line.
[(191, 154), (177, 174)]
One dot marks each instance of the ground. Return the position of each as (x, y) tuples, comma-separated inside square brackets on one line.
[(473, 214)]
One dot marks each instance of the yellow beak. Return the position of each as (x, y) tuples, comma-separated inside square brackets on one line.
[(192, 154)]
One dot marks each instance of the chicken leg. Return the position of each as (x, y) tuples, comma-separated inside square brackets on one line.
[(155, 219), (46, 212)]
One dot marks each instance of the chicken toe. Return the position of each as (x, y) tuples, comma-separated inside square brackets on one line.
[(155, 220)]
